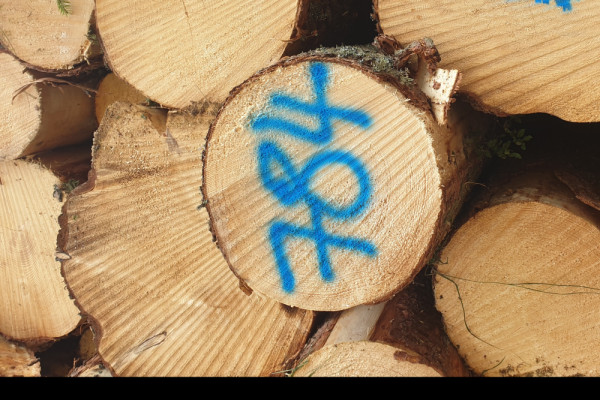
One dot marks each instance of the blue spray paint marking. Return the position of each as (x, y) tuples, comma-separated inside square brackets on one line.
[(564, 4), (291, 186), (319, 108)]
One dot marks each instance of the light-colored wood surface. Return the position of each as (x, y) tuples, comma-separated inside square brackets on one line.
[(517, 283), (17, 361), (179, 52), (516, 57), (143, 264), (363, 359), (407, 322), (19, 115), (36, 32), (40, 115), (400, 155), (35, 306), (112, 89)]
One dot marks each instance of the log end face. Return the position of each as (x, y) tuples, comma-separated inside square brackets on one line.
[(523, 272), (543, 45), (210, 47), (303, 166), (363, 359), (47, 35), (36, 306), (135, 236), (20, 107)]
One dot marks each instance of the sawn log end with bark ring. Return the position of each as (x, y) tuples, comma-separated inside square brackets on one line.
[(324, 183), (517, 284)]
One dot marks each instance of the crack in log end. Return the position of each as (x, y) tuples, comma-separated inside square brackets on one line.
[(400, 355), (150, 342), (129, 355), (172, 143)]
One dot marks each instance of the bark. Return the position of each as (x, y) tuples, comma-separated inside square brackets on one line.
[(516, 283), (402, 337), (141, 264), (35, 306), (182, 52), (40, 35), (517, 57), (40, 112), (417, 168), (17, 360)]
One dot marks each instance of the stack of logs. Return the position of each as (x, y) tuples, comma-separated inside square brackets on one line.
[(299, 188)]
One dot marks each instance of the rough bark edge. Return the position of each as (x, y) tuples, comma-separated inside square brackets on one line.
[(473, 99), (323, 323), (92, 368), (583, 184), (62, 256), (63, 239), (416, 304), (298, 32)]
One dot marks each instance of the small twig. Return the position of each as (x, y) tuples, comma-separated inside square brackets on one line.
[(495, 366), (463, 309), (51, 81), (290, 372)]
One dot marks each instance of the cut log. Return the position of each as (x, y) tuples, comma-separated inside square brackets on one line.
[(48, 35), (177, 53), (403, 337), (37, 115), (17, 360), (329, 181), (112, 89), (35, 306), (517, 283), (142, 264), (516, 57)]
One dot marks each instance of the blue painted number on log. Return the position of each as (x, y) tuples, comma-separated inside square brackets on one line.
[(564, 4), (291, 185)]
